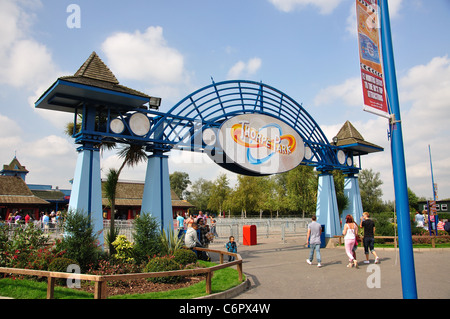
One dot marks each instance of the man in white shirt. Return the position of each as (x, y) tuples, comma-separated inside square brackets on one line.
[(313, 238)]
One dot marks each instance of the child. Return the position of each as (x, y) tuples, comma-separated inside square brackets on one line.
[(231, 247)]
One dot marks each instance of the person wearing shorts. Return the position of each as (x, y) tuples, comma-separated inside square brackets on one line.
[(369, 240)]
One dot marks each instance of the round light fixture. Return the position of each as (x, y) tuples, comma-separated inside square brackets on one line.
[(139, 124), (117, 126)]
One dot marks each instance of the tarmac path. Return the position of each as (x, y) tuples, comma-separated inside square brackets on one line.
[(278, 270)]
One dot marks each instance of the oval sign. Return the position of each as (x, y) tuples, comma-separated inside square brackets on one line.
[(261, 144)]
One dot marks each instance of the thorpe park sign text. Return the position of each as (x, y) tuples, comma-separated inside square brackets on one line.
[(261, 144)]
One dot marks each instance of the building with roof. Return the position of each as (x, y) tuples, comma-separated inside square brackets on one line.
[(14, 169), (129, 201), (16, 197), (33, 199)]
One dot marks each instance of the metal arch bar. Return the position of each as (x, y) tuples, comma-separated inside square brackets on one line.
[(209, 107)]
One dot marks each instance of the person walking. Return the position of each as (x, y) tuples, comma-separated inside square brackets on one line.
[(313, 238), (369, 239), (350, 231)]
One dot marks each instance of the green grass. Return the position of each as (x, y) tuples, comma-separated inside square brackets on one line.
[(30, 289), (222, 280)]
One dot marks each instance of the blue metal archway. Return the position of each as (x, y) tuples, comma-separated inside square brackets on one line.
[(112, 116)]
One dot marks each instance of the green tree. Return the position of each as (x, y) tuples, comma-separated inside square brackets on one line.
[(370, 189), (179, 182), (146, 238), (301, 189), (200, 193), (220, 191), (413, 201), (273, 194), (80, 242), (247, 195)]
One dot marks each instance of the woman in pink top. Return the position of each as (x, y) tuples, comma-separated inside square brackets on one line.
[(349, 232)]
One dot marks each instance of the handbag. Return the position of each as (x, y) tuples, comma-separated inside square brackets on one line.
[(357, 239)]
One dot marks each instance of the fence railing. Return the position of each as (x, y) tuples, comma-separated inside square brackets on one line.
[(395, 238), (100, 281)]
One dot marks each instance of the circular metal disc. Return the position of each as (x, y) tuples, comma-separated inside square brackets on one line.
[(139, 124), (117, 126)]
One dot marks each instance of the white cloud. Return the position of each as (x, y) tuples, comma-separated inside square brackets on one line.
[(349, 93), (244, 69), (324, 6), (24, 62), (425, 108), (145, 57), (9, 133)]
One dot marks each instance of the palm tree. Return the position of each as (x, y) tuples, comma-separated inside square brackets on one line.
[(132, 155)]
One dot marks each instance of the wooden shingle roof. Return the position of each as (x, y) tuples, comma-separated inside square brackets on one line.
[(14, 166), (94, 72), (13, 190), (348, 137), (93, 82), (131, 193), (94, 68)]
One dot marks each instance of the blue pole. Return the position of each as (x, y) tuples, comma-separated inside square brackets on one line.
[(434, 191), (398, 161)]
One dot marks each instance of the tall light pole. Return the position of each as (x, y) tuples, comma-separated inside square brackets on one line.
[(398, 160)]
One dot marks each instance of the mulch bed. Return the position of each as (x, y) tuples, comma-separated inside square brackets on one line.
[(142, 286)]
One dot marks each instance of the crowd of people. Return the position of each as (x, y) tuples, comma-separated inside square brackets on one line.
[(199, 231), (423, 220), (46, 220)]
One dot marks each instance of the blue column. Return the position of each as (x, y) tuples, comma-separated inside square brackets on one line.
[(327, 210), (86, 194), (351, 190), (157, 199)]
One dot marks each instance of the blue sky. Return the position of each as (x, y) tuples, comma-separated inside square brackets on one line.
[(306, 48)]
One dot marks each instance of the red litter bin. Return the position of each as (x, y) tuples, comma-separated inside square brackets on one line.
[(249, 234)]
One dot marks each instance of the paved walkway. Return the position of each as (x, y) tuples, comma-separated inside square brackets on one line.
[(279, 270)]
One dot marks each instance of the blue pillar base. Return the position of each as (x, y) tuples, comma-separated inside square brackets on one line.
[(351, 190), (157, 199), (86, 194), (327, 210)]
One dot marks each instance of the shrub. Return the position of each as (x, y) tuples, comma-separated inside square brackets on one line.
[(185, 257), (384, 225), (123, 248), (80, 242), (169, 242), (146, 238), (60, 264), (159, 264)]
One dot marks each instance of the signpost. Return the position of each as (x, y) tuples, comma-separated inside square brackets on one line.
[(367, 14)]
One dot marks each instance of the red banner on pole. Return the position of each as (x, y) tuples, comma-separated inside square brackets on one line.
[(370, 58)]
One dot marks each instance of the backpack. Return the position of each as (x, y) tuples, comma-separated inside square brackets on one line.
[(447, 227)]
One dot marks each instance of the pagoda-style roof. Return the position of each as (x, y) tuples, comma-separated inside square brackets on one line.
[(13, 190), (14, 166), (93, 83), (349, 138)]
